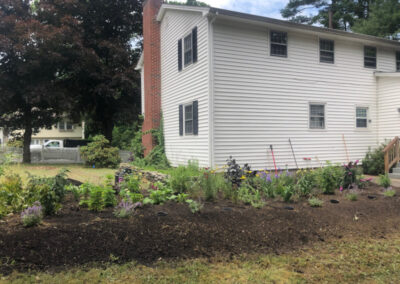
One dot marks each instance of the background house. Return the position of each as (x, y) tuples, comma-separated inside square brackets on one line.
[(230, 83), (63, 130)]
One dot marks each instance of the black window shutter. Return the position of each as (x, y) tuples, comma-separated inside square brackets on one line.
[(195, 118), (181, 120), (194, 42), (180, 55)]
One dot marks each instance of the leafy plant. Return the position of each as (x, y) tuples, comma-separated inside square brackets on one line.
[(194, 206), (96, 201), (181, 197), (11, 193), (100, 154), (181, 178), (236, 174), (32, 216), (305, 183), (210, 183), (352, 196), (384, 180), (315, 202), (265, 184), (109, 197), (74, 190), (124, 209), (329, 178), (131, 183), (389, 193), (159, 194), (374, 161), (350, 175)]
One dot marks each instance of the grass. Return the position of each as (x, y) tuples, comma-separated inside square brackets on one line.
[(389, 193), (77, 172), (345, 261), (352, 196)]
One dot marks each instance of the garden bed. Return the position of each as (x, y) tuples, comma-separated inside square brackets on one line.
[(77, 236)]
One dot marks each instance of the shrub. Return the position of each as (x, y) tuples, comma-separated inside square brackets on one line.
[(305, 183), (131, 183), (389, 193), (96, 201), (159, 194), (100, 153), (329, 178), (350, 175), (194, 206), (352, 196), (124, 209), (315, 202), (210, 183), (384, 180), (181, 178), (374, 161), (11, 193), (236, 174), (32, 216), (109, 197), (85, 194), (249, 195)]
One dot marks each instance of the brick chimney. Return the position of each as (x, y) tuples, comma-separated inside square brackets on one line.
[(152, 71)]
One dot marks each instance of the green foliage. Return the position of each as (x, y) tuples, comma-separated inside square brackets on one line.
[(329, 178), (315, 202), (109, 197), (100, 154), (352, 196), (389, 193), (384, 180), (189, 3), (159, 194), (96, 200), (210, 183), (305, 183), (383, 20), (181, 178), (194, 206), (287, 192), (374, 161), (249, 195), (181, 197), (12, 196), (351, 175), (131, 183), (74, 190)]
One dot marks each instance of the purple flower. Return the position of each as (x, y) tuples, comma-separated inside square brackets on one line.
[(126, 209), (269, 178), (32, 215)]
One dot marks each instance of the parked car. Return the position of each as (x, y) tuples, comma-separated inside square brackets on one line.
[(58, 144)]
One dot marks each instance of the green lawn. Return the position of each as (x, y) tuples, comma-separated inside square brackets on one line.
[(77, 172), (355, 261)]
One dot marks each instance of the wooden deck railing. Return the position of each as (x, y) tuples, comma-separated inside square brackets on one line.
[(392, 154)]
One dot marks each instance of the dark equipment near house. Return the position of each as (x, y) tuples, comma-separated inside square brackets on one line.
[(294, 156), (273, 157), (70, 143)]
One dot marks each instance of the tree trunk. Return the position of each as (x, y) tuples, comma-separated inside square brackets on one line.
[(27, 138), (108, 126)]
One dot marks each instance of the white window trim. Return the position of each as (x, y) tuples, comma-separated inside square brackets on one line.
[(64, 122), (184, 119), (270, 31), (309, 116), (368, 118), (185, 66), (319, 51)]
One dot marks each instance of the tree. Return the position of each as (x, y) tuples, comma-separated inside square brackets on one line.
[(344, 12), (383, 21), (32, 56), (104, 84), (189, 3)]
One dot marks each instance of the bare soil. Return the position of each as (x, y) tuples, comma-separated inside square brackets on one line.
[(76, 236)]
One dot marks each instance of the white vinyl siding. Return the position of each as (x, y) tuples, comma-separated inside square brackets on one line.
[(184, 87), (261, 100), (388, 107)]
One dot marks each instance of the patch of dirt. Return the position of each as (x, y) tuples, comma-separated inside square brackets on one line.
[(77, 236)]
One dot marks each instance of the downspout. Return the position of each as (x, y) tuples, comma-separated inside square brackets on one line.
[(211, 21)]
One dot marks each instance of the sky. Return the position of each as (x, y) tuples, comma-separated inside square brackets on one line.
[(267, 8)]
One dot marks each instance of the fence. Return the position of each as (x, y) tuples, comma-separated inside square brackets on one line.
[(53, 156)]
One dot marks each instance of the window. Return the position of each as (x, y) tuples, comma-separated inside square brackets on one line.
[(369, 57), (278, 44), (188, 58), (187, 50), (398, 61), (53, 144), (326, 51), (65, 126), (361, 117), (189, 119), (317, 116), (35, 142)]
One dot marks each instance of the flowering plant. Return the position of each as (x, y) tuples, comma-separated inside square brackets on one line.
[(32, 216), (126, 209)]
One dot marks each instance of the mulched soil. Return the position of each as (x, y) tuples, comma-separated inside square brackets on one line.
[(77, 236)]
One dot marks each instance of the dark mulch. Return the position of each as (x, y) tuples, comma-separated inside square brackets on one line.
[(77, 236)]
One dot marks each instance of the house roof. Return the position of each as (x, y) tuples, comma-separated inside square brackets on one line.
[(238, 16), (387, 74), (140, 63)]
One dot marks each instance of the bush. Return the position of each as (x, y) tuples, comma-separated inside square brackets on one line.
[(374, 161), (159, 194), (384, 180), (236, 174), (305, 183), (351, 172), (181, 178), (100, 154), (11, 194), (131, 183), (96, 200), (315, 202), (32, 216), (329, 178), (109, 197)]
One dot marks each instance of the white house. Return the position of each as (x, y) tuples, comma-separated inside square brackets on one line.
[(230, 83)]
